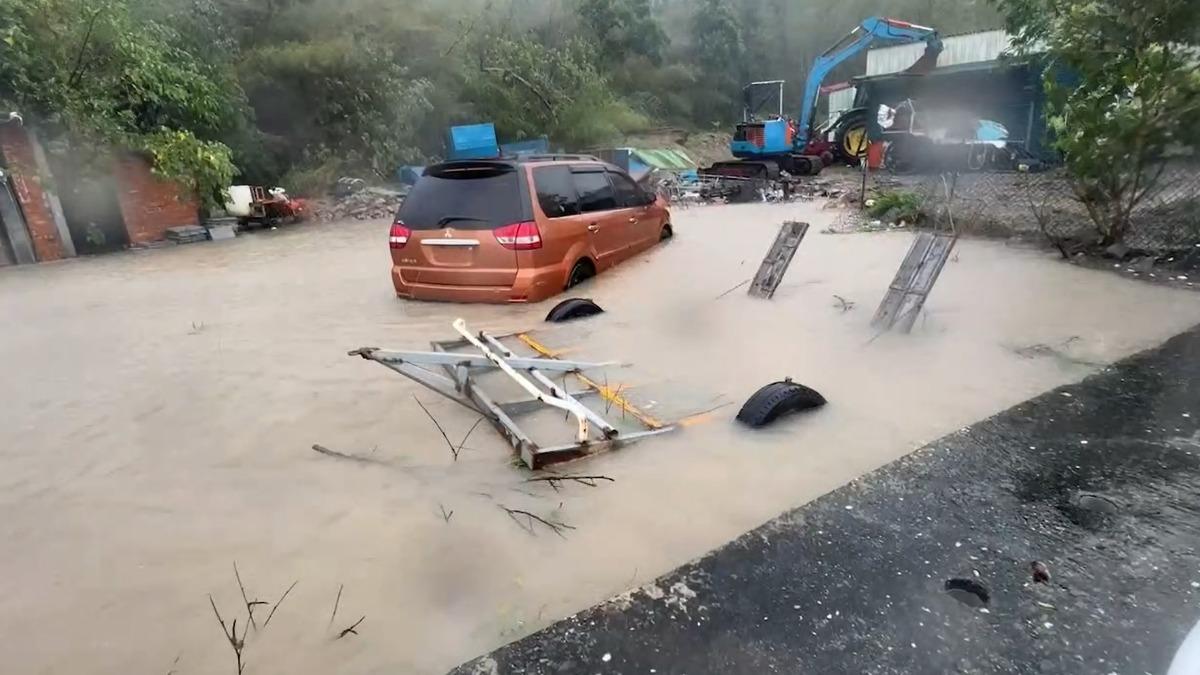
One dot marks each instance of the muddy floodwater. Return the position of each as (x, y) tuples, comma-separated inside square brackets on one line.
[(159, 409)]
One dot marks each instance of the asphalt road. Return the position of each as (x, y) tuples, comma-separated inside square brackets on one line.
[(1096, 481)]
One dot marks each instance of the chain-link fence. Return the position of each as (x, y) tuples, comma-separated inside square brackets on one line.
[(1046, 205)]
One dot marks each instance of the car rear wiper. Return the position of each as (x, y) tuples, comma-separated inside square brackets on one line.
[(445, 220)]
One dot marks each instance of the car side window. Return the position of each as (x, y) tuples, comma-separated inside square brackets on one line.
[(628, 193), (555, 191), (595, 192)]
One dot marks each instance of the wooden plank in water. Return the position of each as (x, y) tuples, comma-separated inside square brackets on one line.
[(914, 280), (776, 263)]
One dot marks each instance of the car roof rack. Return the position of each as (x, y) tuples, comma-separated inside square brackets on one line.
[(557, 157)]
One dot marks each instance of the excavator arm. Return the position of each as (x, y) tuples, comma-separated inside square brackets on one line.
[(854, 43)]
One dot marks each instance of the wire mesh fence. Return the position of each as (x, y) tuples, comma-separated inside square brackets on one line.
[(1046, 205)]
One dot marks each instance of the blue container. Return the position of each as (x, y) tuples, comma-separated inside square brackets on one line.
[(472, 141)]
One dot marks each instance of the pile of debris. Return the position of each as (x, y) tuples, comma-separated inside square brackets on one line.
[(363, 203)]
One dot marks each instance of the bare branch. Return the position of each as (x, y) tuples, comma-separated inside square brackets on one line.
[(341, 455), (732, 289), (553, 481), (336, 601), (237, 644), (87, 37), (555, 526), (449, 443), (281, 598), (508, 74), (349, 630), (469, 432), (249, 605), (446, 516)]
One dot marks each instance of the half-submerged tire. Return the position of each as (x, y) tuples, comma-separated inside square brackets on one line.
[(573, 308), (776, 399)]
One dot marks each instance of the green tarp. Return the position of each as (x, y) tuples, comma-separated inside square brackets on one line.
[(667, 159)]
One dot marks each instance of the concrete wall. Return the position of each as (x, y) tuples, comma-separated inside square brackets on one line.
[(21, 160), (150, 205)]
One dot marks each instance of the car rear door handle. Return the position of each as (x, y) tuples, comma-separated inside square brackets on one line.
[(593, 228)]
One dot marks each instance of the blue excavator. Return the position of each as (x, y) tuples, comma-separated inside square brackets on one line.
[(766, 146)]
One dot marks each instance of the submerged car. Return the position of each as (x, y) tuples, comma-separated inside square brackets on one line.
[(519, 230)]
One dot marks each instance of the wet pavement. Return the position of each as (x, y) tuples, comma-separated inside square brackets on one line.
[(1095, 481)]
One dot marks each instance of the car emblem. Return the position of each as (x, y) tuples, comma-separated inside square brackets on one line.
[(449, 234)]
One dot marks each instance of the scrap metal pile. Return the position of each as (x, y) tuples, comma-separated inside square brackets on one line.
[(353, 200)]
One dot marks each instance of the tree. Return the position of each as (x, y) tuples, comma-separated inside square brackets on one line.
[(720, 55), (1137, 93), (529, 90), (622, 28), (97, 79)]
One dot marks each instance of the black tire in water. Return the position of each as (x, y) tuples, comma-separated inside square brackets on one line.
[(581, 272), (666, 233), (775, 399), (573, 308)]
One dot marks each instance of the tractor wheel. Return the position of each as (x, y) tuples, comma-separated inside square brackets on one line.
[(776, 399), (850, 140), (573, 308)]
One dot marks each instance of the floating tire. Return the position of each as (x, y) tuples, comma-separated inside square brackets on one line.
[(776, 399), (573, 308)]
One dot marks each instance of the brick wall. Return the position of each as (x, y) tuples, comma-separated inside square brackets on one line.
[(27, 184), (150, 205)]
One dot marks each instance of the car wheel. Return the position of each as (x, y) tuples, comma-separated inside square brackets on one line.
[(581, 272), (776, 399), (666, 233), (573, 308)]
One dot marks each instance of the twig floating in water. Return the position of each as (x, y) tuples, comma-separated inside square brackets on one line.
[(341, 455), (249, 605), (238, 644), (555, 526), (350, 629), (732, 289), (449, 443), (446, 516), (281, 598), (554, 480), (336, 601)]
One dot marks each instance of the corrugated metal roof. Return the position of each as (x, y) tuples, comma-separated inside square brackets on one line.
[(957, 50), (842, 100)]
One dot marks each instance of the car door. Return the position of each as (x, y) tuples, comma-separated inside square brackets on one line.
[(598, 203), (642, 223)]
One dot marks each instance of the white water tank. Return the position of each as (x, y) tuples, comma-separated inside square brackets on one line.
[(237, 201)]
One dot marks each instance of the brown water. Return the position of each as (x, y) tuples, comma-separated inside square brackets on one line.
[(159, 407)]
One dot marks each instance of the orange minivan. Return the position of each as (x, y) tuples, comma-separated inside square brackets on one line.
[(519, 230)]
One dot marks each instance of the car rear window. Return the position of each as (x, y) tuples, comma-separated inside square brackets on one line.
[(464, 197), (555, 191), (595, 192)]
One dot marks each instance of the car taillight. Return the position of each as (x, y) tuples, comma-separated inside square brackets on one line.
[(519, 236), (399, 235)]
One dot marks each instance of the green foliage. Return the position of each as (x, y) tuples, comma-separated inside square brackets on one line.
[(1137, 94), (342, 96), (529, 90), (719, 53), (95, 77), (204, 168), (305, 90), (623, 28), (903, 205)]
